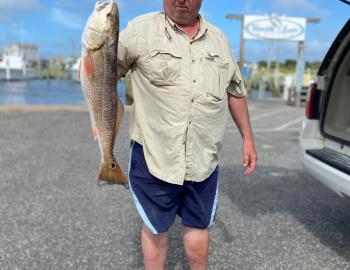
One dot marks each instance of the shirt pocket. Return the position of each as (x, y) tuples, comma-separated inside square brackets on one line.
[(164, 67), (215, 76)]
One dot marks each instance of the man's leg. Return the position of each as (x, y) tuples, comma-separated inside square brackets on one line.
[(155, 248), (196, 243), (156, 202), (198, 208)]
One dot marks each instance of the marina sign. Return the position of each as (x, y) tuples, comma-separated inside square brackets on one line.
[(274, 28)]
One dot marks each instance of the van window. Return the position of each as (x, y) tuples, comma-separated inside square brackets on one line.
[(337, 118)]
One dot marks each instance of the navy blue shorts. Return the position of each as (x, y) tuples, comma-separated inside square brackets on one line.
[(158, 202)]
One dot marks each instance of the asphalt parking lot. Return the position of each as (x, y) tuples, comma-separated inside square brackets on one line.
[(53, 216)]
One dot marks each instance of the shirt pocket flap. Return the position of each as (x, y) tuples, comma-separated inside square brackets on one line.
[(164, 67), (172, 53), (216, 79), (217, 60)]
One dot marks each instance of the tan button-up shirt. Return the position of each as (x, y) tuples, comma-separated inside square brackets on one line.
[(179, 87)]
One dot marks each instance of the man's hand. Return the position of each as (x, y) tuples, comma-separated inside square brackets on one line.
[(239, 112), (250, 157)]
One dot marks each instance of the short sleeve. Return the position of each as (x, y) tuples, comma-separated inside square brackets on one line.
[(127, 50), (236, 86)]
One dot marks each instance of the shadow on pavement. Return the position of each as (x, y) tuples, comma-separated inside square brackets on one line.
[(275, 190)]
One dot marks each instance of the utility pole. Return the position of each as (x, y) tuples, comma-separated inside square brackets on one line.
[(73, 44), (242, 42), (300, 67), (270, 56), (277, 67)]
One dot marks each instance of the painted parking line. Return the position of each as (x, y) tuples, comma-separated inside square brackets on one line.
[(267, 114), (281, 128), (266, 130), (290, 123)]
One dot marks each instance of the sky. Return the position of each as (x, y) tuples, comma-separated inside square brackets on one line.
[(56, 25)]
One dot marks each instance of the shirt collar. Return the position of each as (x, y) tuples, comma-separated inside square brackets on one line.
[(202, 26)]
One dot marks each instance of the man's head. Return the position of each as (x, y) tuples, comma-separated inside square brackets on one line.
[(183, 12)]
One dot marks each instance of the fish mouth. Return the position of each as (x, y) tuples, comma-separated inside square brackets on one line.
[(100, 5)]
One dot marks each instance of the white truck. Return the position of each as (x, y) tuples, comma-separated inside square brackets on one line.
[(325, 136)]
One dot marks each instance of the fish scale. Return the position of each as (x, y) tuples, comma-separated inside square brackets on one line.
[(98, 79), (104, 117)]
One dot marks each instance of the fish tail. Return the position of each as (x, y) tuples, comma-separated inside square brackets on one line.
[(111, 173)]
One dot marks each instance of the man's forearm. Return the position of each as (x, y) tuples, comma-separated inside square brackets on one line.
[(239, 112)]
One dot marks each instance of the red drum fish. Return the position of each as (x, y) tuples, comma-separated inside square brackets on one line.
[(98, 72)]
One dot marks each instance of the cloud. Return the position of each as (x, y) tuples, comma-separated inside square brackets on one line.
[(72, 15), (316, 48), (121, 4), (9, 9), (17, 33), (19, 5), (68, 19), (206, 14), (250, 8), (307, 6)]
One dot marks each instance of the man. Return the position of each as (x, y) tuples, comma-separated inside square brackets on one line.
[(183, 78)]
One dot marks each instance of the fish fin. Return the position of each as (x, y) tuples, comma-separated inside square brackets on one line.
[(119, 116), (93, 128), (111, 173), (88, 66), (79, 70)]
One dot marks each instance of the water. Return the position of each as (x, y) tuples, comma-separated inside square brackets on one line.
[(46, 92), (254, 94)]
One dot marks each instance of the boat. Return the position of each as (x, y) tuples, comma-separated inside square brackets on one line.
[(17, 61), (74, 70)]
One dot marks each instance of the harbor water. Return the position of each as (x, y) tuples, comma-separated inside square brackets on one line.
[(46, 92)]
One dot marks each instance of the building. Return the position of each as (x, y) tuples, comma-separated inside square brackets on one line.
[(17, 61)]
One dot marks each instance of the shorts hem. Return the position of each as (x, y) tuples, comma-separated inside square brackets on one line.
[(196, 227)]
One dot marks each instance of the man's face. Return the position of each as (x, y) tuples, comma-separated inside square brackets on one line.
[(182, 11)]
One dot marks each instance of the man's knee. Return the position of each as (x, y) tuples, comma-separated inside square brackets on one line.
[(158, 241), (196, 245), (154, 248)]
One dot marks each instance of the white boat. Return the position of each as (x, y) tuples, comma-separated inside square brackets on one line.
[(74, 70), (17, 61)]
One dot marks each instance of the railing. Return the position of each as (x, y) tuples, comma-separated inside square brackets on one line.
[(297, 99)]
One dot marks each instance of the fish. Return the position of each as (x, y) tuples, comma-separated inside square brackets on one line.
[(98, 77)]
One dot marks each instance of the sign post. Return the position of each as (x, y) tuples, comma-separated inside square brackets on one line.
[(275, 28), (242, 43), (299, 73), (242, 48)]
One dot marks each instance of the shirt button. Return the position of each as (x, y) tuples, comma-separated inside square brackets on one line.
[(192, 100), (194, 81), (192, 60)]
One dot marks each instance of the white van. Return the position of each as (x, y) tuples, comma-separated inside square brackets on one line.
[(325, 136)]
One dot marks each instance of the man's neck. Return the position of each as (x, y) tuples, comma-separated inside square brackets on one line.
[(191, 29)]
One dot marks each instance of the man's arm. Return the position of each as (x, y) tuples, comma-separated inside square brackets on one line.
[(239, 112), (127, 50)]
